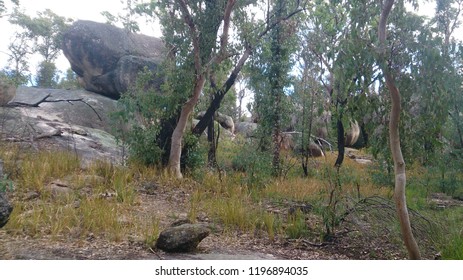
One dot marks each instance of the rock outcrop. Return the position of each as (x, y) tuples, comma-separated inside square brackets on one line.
[(108, 59), (76, 120)]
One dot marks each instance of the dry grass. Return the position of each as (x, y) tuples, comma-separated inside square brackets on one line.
[(101, 200), (104, 200)]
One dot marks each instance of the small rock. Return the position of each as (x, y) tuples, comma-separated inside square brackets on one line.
[(303, 208), (58, 188), (76, 204), (5, 210), (183, 238), (31, 195), (149, 188), (124, 220)]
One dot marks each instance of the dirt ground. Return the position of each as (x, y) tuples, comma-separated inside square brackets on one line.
[(348, 243)]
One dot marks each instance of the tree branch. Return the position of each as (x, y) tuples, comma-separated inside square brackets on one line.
[(194, 35)]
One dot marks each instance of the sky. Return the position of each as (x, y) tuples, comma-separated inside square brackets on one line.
[(89, 10)]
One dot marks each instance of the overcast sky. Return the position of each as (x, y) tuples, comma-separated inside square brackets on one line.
[(89, 10)]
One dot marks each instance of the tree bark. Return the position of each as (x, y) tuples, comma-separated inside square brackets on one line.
[(341, 142), (179, 131), (394, 138)]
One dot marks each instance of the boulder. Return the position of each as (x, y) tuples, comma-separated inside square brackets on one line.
[(315, 150), (224, 120), (352, 134), (286, 141), (5, 209), (182, 238), (59, 189), (108, 59), (247, 129)]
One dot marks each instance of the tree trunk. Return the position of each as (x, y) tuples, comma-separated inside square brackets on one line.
[(394, 139), (277, 141), (220, 93), (341, 142), (177, 135), (211, 156)]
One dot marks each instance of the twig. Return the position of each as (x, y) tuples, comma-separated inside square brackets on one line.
[(154, 252)]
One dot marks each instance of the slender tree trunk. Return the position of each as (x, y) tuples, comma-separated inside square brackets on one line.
[(277, 141), (211, 156), (394, 138), (177, 135), (341, 140)]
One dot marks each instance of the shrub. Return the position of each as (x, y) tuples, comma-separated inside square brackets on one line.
[(256, 165)]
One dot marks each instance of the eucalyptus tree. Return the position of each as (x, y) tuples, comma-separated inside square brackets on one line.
[(447, 19), (4, 8), (309, 100), (18, 55), (250, 32), (394, 137), (270, 79), (127, 18), (198, 36), (45, 33), (424, 58), (337, 35)]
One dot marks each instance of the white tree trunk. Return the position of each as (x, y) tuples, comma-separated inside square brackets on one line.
[(394, 139), (177, 135)]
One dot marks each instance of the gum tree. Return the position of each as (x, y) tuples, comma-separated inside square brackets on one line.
[(394, 138), (45, 34), (198, 36)]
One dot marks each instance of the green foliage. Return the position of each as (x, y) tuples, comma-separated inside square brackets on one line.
[(3, 7), (138, 122), (6, 184), (382, 173), (255, 164), (47, 76), (296, 226), (18, 58), (447, 236), (193, 154), (46, 30), (69, 81), (128, 18)]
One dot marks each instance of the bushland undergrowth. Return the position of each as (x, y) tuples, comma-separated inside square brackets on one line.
[(104, 200)]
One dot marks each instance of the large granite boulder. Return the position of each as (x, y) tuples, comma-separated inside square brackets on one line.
[(108, 59)]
